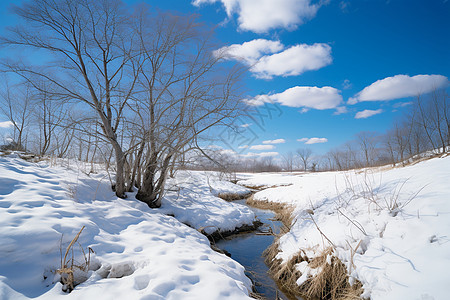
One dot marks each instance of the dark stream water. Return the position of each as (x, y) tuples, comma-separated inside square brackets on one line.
[(247, 249)]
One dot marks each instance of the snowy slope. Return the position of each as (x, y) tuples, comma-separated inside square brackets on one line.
[(399, 217), (143, 253)]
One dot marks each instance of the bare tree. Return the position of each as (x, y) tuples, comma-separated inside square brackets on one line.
[(389, 144), (184, 91), (151, 83), (439, 117), (92, 43), (17, 106), (351, 155), (304, 154), (49, 115), (368, 143), (288, 160), (400, 141)]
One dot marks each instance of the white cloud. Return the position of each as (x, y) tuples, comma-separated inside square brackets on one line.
[(293, 61), (261, 154), (246, 125), (277, 141), (304, 110), (262, 15), (6, 124), (227, 152), (243, 147), (400, 86), (346, 84), (367, 113), (250, 52), (302, 96), (267, 59), (314, 140), (340, 110), (262, 147), (402, 104)]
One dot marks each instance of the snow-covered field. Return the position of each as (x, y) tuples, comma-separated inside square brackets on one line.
[(142, 253), (396, 219)]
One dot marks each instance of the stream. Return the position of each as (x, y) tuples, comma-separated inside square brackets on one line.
[(247, 249)]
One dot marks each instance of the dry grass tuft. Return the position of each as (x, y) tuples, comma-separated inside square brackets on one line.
[(286, 274), (254, 187), (233, 196), (69, 267), (332, 280), (283, 212), (257, 296)]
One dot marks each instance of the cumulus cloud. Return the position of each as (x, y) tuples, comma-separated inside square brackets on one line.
[(250, 52), (400, 86), (314, 140), (277, 141), (6, 124), (367, 113), (302, 96), (267, 58), (293, 61), (263, 15), (262, 147)]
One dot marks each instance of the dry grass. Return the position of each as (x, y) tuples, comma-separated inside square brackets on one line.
[(233, 196), (254, 187), (257, 296), (286, 274), (283, 212), (331, 282), (264, 187), (69, 266)]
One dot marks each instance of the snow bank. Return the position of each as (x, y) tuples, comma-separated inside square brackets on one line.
[(192, 199), (266, 180), (143, 254), (390, 227)]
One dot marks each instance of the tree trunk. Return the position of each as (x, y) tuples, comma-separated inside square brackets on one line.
[(120, 166), (152, 189)]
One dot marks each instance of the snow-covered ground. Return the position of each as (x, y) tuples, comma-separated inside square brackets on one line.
[(192, 199), (142, 253), (396, 219)]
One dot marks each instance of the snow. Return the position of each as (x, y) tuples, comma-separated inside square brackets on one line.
[(140, 253), (393, 223), (192, 199), (266, 180)]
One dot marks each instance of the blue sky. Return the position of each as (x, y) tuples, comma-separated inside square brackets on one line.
[(309, 58)]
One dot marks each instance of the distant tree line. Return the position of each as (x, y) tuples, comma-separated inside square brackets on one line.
[(425, 126)]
